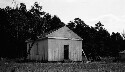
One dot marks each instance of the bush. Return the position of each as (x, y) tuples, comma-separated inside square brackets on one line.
[(107, 59)]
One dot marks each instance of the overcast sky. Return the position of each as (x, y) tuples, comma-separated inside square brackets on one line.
[(110, 12)]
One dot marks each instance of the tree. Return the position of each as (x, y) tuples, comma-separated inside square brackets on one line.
[(85, 32), (94, 38), (116, 43), (18, 24), (99, 26), (41, 24), (22, 7)]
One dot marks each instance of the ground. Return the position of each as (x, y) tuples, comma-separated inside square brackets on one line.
[(62, 67)]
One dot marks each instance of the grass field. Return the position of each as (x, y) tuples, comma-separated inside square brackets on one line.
[(62, 67)]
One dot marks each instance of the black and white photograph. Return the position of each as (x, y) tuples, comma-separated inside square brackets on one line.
[(62, 35)]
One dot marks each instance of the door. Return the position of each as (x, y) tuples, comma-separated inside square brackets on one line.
[(66, 51)]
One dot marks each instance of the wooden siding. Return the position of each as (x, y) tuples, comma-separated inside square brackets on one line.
[(42, 50), (43, 45), (52, 49), (56, 49), (28, 44)]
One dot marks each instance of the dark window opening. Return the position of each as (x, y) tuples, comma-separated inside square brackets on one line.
[(66, 51)]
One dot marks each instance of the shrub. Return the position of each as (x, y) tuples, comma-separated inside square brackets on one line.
[(107, 59)]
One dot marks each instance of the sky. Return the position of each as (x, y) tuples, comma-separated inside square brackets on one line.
[(110, 12)]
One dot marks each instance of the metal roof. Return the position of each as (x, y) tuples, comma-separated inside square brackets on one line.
[(61, 33)]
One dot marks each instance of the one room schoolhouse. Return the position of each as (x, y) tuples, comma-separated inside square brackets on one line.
[(61, 44)]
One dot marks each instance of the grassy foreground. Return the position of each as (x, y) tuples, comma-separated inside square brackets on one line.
[(62, 67)]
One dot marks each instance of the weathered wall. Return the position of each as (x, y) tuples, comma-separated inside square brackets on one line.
[(56, 49), (42, 50), (43, 46), (29, 43), (53, 50), (31, 56)]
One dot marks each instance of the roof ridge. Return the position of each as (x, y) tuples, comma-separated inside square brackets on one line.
[(49, 32), (62, 29), (53, 30)]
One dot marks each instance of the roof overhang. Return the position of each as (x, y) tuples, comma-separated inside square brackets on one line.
[(64, 38), (61, 38)]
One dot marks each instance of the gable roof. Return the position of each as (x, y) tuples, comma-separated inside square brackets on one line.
[(61, 33)]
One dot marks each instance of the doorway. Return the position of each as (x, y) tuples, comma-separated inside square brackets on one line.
[(66, 52)]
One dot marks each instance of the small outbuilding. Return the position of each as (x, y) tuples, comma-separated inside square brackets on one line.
[(61, 44), (122, 55)]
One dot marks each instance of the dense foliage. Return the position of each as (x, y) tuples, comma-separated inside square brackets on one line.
[(97, 41), (19, 24)]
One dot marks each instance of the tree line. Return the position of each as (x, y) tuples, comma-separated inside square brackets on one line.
[(19, 24)]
